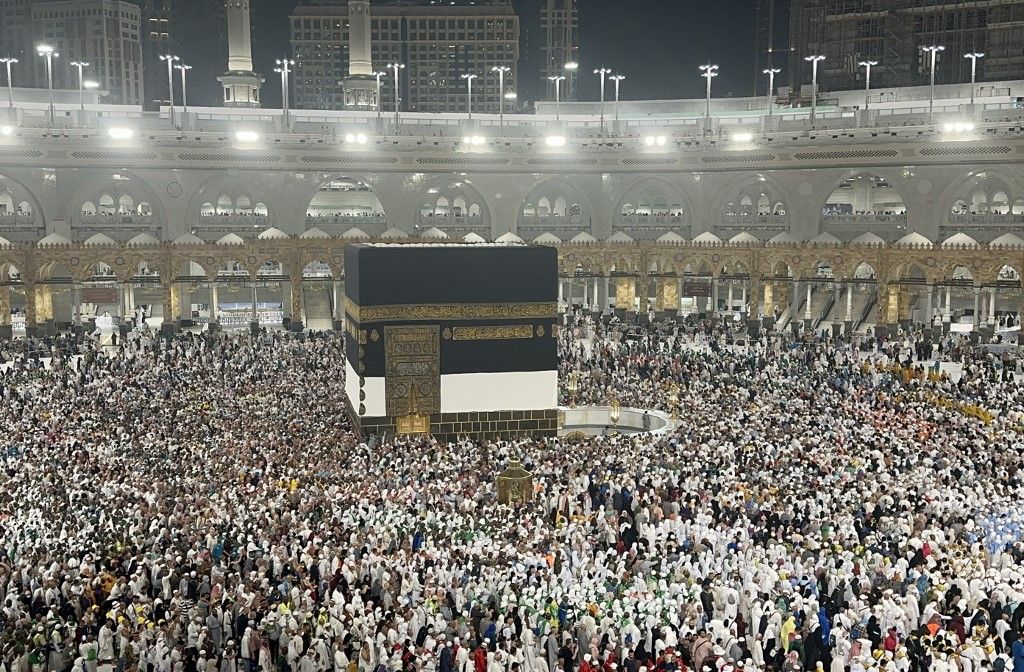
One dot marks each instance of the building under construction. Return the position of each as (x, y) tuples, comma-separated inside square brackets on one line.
[(892, 33)]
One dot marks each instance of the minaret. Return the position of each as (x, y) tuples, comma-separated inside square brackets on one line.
[(360, 85), (241, 84)]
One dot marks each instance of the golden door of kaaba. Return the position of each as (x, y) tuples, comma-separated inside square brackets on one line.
[(412, 376)]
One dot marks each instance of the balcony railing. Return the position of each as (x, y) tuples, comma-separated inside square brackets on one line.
[(855, 220), (751, 220), (987, 219), (18, 221), (115, 219), (552, 221), (641, 220), (345, 222), (454, 223), (241, 221)]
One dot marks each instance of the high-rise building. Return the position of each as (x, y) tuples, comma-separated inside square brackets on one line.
[(892, 32), (771, 21), (437, 43), (105, 33), (157, 38), (16, 38), (549, 38)]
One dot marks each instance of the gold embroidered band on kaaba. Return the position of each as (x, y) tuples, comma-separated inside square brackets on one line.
[(497, 333), (438, 312)]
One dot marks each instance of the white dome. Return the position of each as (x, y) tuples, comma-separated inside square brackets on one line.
[(868, 239), (355, 232), (144, 239), (583, 237), (707, 237), (547, 239), (100, 239), (619, 237), (313, 232), (744, 237), (54, 239), (913, 238), (473, 238), (188, 239), (394, 232), (671, 237), (959, 239), (1007, 240), (434, 232), (509, 237), (273, 233), (231, 239)]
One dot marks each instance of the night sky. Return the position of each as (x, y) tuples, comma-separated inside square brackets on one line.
[(657, 44)]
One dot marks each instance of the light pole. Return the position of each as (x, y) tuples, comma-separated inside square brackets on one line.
[(557, 79), (570, 68), (974, 56), (867, 81), (170, 58), (617, 79), (771, 72), (469, 93), (708, 72), (8, 61), (184, 91), (283, 67), (378, 75), (814, 60), (501, 70), (397, 67), (602, 73), (49, 53), (81, 82), (934, 51)]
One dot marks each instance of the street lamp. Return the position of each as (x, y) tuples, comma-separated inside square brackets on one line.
[(570, 69), (501, 70), (867, 81), (81, 83), (397, 67), (170, 58), (814, 60), (617, 79), (602, 73), (283, 67), (184, 91), (708, 71), (974, 56), (771, 72), (49, 53), (469, 93), (378, 75), (557, 79), (934, 51), (8, 61)]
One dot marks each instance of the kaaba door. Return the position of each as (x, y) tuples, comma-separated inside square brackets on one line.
[(412, 376)]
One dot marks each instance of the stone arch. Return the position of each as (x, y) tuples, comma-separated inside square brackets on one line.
[(976, 194), (453, 204), (577, 208), (227, 204), (339, 202), (757, 205), (653, 206), (19, 205), (122, 199), (862, 192), (189, 269)]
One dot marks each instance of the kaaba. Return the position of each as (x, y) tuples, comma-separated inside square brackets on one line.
[(451, 339)]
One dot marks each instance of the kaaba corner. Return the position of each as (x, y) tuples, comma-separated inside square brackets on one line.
[(452, 339)]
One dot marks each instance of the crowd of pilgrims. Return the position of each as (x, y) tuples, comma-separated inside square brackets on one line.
[(201, 504)]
